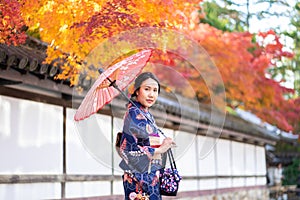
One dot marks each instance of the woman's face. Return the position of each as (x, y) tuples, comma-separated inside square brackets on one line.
[(148, 93)]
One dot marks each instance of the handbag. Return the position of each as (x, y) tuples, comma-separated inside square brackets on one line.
[(169, 178), (118, 142)]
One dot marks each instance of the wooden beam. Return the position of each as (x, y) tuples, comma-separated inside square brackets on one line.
[(38, 178), (45, 178), (36, 82), (12, 92)]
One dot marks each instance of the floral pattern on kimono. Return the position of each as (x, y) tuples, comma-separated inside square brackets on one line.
[(137, 154)]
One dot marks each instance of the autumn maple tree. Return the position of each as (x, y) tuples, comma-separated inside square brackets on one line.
[(243, 65), (12, 25), (73, 29)]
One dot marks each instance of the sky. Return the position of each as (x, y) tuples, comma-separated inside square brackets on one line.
[(281, 22), (273, 22), (263, 24)]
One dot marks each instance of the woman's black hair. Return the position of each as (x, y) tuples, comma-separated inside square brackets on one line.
[(141, 78)]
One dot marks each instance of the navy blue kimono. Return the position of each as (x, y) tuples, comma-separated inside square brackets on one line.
[(141, 171)]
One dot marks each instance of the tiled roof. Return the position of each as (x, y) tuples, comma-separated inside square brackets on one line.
[(22, 67)]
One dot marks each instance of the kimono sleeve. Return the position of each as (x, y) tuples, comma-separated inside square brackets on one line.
[(135, 149), (135, 158)]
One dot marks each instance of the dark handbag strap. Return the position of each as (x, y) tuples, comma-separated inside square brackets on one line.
[(171, 159), (169, 153)]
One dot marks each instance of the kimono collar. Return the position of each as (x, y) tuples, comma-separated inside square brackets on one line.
[(138, 105)]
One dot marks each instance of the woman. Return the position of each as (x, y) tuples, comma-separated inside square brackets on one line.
[(140, 161)]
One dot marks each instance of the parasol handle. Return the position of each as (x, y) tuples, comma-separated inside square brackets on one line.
[(113, 83), (101, 70)]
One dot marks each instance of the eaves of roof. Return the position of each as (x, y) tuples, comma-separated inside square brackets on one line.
[(22, 68)]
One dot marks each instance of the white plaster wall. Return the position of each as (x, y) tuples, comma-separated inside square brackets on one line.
[(208, 184), (250, 181), (187, 161), (223, 157), (238, 182), (89, 146), (87, 189), (238, 158), (118, 126), (30, 137), (169, 133), (250, 160), (89, 151), (118, 187), (188, 185), (31, 143), (224, 182), (206, 156), (261, 181), (184, 141), (261, 168), (34, 191)]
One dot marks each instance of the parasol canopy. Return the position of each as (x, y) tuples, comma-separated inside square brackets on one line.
[(111, 82)]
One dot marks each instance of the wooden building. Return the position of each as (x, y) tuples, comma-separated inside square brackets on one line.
[(46, 155)]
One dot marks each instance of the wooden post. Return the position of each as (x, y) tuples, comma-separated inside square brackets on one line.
[(63, 183)]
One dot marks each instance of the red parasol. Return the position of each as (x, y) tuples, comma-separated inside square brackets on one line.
[(119, 76)]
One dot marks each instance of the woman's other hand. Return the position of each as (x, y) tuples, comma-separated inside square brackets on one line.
[(166, 144)]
